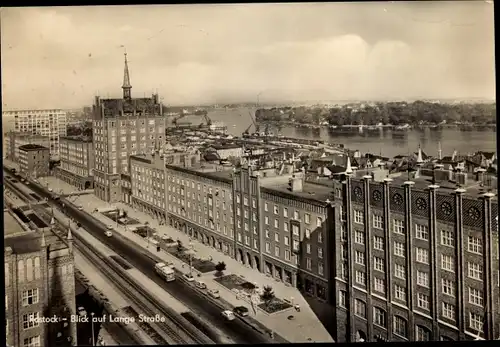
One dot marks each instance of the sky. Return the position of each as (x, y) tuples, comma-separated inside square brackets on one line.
[(61, 57)]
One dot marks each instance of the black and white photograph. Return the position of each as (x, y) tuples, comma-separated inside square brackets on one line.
[(250, 173)]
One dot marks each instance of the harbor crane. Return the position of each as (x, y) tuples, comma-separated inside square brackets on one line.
[(254, 123)]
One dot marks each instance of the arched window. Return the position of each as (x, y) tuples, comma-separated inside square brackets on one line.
[(360, 308), (400, 326), (379, 316), (29, 269), (20, 271), (37, 268), (422, 334)]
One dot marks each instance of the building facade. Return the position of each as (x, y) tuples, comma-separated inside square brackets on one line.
[(77, 161), (123, 127), (415, 264), (14, 140), (34, 160), (49, 123), (39, 282), (386, 261)]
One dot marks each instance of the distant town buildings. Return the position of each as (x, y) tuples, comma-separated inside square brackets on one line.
[(50, 123), (123, 127), (77, 158), (34, 160), (39, 282), (14, 140)]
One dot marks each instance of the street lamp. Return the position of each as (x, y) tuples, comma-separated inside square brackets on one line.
[(93, 340)]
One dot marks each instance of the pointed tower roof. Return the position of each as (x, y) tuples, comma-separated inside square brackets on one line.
[(126, 76), (420, 160), (126, 80), (348, 169), (69, 237)]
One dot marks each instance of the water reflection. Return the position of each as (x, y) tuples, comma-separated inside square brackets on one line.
[(390, 142)]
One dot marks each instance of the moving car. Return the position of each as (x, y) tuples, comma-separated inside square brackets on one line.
[(241, 310), (200, 285), (228, 315), (214, 293), (81, 311), (109, 226), (188, 277), (50, 189), (108, 233)]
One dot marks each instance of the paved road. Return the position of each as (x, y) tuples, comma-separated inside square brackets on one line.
[(237, 330)]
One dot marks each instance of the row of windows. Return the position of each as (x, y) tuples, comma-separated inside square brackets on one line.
[(400, 324), (476, 296), (421, 232), (29, 270), (474, 244)]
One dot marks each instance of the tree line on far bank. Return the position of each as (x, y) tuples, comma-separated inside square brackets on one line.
[(395, 113)]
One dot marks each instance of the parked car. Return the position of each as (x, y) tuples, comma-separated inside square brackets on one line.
[(81, 311), (109, 227), (200, 285), (214, 293), (228, 315), (241, 310), (189, 277), (108, 233), (79, 207)]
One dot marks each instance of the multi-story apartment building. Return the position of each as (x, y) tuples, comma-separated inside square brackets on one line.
[(277, 225), (123, 127), (34, 160), (388, 260), (415, 261), (77, 161), (50, 123), (146, 182), (39, 282), (14, 140)]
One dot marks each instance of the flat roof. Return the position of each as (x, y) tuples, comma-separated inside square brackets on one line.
[(77, 138), (10, 225), (22, 241), (472, 188), (32, 147), (310, 191)]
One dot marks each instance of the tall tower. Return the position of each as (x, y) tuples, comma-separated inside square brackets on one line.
[(126, 81)]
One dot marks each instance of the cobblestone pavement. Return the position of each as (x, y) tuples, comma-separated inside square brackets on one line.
[(305, 326)]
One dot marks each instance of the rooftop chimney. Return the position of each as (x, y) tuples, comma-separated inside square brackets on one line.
[(296, 183)]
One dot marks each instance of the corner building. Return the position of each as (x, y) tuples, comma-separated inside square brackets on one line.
[(416, 262), (77, 161), (39, 282), (123, 127), (380, 261)]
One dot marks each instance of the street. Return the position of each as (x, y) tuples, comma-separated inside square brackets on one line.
[(238, 330)]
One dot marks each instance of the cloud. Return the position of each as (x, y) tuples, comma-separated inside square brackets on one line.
[(195, 54)]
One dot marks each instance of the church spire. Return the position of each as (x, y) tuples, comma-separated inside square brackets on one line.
[(126, 81)]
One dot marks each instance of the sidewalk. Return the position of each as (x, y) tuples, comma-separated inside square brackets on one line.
[(97, 280), (58, 186), (305, 327)]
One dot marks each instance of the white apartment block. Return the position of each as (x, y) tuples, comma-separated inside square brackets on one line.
[(51, 123)]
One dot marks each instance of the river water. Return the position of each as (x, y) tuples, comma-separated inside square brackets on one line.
[(387, 142)]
